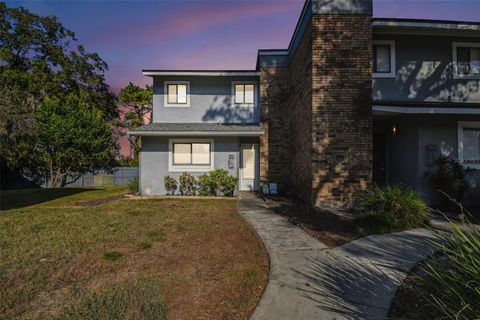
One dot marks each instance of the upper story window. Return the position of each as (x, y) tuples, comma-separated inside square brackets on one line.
[(244, 92), (384, 59), (177, 94), (466, 60), (469, 143)]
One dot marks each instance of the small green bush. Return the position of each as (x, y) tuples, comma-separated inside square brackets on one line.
[(134, 185), (449, 176), (392, 208), (187, 184), (217, 183), (170, 185)]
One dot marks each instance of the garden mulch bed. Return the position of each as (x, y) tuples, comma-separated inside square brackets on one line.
[(332, 228), (413, 297)]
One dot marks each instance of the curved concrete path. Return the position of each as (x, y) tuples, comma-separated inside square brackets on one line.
[(309, 281)]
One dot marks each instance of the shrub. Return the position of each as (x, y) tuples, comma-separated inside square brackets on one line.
[(392, 208), (134, 185), (187, 184), (217, 182), (449, 176), (170, 185), (456, 281)]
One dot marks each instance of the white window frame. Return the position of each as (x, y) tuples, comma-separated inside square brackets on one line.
[(255, 93), (165, 94), (455, 45), (393, 64), (190, 168), (461, 126)]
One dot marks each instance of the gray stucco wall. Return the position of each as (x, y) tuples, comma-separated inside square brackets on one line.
[(210, 101), (408, 158), (154, 161), (424, 71)]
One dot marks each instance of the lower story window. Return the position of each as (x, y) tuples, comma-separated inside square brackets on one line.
[(193, 155), (469, 143)]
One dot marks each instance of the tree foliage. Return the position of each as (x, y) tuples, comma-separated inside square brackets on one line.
[(73, 138), (40, 60), (139, 104)]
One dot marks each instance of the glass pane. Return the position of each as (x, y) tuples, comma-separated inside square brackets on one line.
[(248, 161), (249, 93), (182, 93), (475, 60), (172, 93), (463, 59), (181, 153), (471, 145), (201, 153), (382, 62), (239, 93)]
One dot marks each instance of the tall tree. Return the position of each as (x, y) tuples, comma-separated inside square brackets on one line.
[(139, 103), (40, 60), (73, 138)]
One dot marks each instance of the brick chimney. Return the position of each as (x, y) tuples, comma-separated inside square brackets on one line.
[(316, 105), (341, 101)]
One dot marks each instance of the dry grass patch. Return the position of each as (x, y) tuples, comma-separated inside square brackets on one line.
[(209, 263)]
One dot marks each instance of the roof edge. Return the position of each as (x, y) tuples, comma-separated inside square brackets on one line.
[(227, 73)]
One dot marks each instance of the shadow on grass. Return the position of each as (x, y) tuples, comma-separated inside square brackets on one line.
[(15, 199)]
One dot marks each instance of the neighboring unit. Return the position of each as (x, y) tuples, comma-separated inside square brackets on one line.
[(352, 101)]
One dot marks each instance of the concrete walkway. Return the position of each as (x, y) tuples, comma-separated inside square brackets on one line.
[(309, 281)]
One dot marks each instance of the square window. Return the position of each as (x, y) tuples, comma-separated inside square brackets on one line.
[(176, 94), (244, 93), (467, 59)]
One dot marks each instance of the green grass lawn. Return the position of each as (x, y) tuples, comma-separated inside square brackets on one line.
[(70, 257)]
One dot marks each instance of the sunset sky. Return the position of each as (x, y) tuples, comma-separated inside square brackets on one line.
[(135, 35)]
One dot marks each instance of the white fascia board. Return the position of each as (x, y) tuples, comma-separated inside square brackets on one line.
[(427, 24), (197, 133), (201, 73), (425, 110)]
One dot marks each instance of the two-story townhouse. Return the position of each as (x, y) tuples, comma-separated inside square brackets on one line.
[(352, 101)]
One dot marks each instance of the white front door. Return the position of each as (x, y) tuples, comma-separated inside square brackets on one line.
[(249, 167)]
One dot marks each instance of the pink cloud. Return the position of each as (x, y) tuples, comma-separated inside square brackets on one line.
[(190, 20)]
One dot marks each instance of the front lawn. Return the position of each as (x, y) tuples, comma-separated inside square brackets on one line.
[(74, 257)]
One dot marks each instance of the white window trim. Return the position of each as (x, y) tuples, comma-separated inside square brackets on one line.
[(190, 168), (165, 95), (393, 65), (255, 94), (455, 45), (461, 126)]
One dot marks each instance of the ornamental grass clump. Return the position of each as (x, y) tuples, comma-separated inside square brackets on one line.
[(455, 274), (392, 208)]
